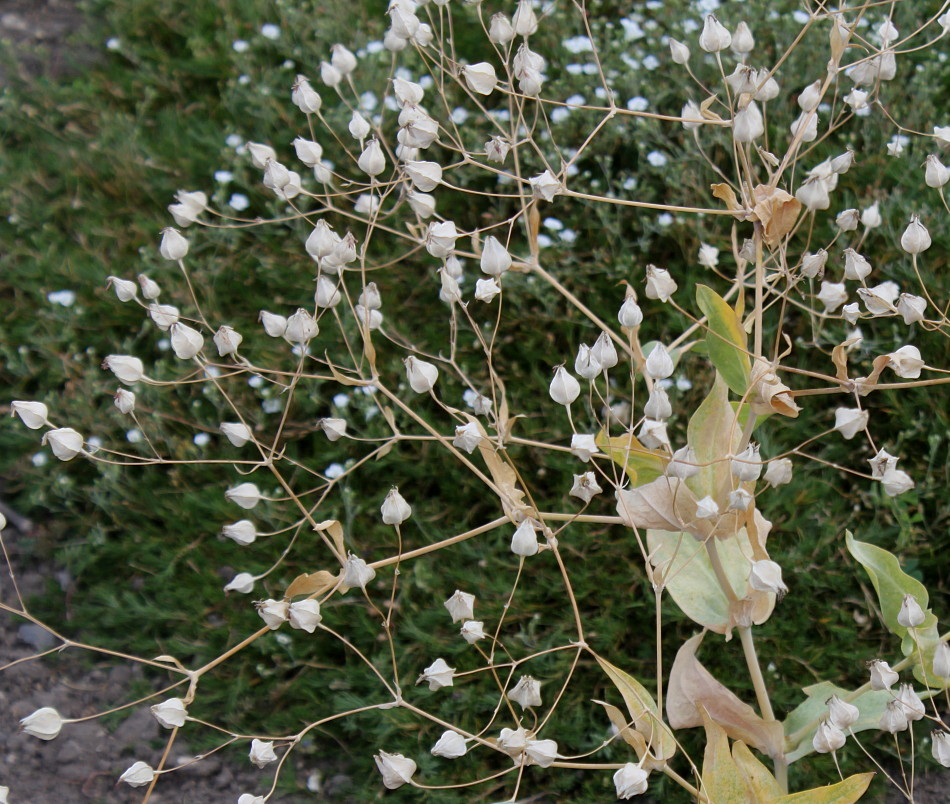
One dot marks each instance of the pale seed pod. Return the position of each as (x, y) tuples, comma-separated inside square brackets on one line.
[(242, 583), (910, 702), (170, 714), (564, 389), (186, 342), (308, 151), (678, 51), (301, 327), (630, 314), (526, 692), (524, 21), (747, 466), (742, 40), (906, 362), (500, 30), (940, 748), (894, 718), (164, 315), (882, 677), (828, 738), (748, 124), (333, 429), (461, 606), (832, 295), (658, 404), (480, 77), (371, 161), (841, 714), (451, 745), (245, 495), (126, 368), (437, 675), (304, 615), (941, 662), (495, 259), (486, 289), (585, 364), (525, 540), (359, 127), (422, 375), (585, 487), (916, 238), (936, 174), (604, 351), (395, 510), (540, 752), (274, 325), (766, 576), (778, 472), (810, 97), (241, 532), (683, 463), (65, 442), (425, 176), (138, 774), (396, 769), (237, 433), (408, 93), (124, 401), (357, 573), (545, 186), (472, 631), (715, 36), (173, 246), (813, 194), (305, 97), (45, 723), (660, 285), (327, 293), (227, 340), (896, 482), (260, 153), (330, 75), (630, 780), (911, 614), (659, 364), (274, 613), (583, 446), (467, 437), (850, 421), (125, 289), (262, 752)]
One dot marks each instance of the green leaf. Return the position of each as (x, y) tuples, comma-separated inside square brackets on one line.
[(714, 432), (643, 711), (721, 778), (689, 577), (725, 339), (802, 721), (845, 792), (891, 584), (642, 465)]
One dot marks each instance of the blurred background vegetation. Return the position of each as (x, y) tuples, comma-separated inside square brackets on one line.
[(92, 160)]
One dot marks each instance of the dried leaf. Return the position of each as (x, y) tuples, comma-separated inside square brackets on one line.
[(776, 210), (314, 583), (335, 530), (665, 504), (692, 686), (643, 711), (506, 481), (725, 193), (630, 736)]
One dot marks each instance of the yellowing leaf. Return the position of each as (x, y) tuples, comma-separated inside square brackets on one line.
[(641, 464), (725, 339), (721, 779), (845, 792), (643, 711), (762, 786), (714, 432)]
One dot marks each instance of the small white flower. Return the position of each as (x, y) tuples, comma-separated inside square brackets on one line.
[(437, 675), (526, 692)]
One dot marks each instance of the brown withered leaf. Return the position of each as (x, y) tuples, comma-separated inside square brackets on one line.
[(692, 686), (665, 504), (725, 193), (776, 210)]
